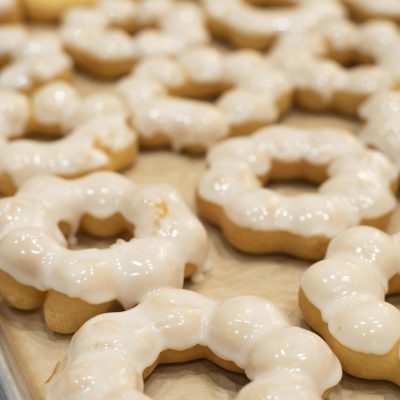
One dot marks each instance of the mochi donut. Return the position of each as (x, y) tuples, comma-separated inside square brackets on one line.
[(163, 95), (10, 11), (316, 61), (95, 130), (99, 41), (38, 269), (381, 130), (248, 25), (31, 59), (112, 353), (357, 188), (343, 299), (370, 9)]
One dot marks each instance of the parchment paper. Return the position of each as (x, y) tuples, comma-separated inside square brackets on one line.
[(39, 352)]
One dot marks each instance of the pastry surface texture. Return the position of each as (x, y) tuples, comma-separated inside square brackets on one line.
[(111, 354), (163, 95), (38, 268), (107, 40), (90, 133), (356, 188), (343, 298)]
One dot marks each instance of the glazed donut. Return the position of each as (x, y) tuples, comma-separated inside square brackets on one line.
[(31, 58), (246, 25), (343, 298), (252, 94), (370, 9), (98, 37), (357, 189), (10, 11), (38, 268), (97, 134), (316, 62), (381, 114), (242, 334)]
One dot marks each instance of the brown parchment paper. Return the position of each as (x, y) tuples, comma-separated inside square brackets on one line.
[(40, 354)]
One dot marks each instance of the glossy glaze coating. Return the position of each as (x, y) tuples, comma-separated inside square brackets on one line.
[(109, 354), (96, 125), (164, 28), (251, 89), (34, 251), (349, 287), (35, 58), (381, 114), (244, 24), (357, 187), (307, 58)]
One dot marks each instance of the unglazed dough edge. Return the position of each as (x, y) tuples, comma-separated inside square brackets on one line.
[(256, 242)]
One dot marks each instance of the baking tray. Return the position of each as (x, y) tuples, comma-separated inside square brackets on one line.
[(30, 354)]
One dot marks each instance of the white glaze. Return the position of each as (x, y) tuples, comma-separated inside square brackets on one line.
[(35, 58), (249, 97), (358, 186), (99, 32), (240, 18), (89, 147), (349, 288), (166, 237), (283, 362), (382, 123), (14, 114), (302, 57)]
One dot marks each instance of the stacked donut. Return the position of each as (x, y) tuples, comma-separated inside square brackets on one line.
[(193, 77)]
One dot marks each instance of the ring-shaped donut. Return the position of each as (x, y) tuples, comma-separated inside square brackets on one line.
[(357, 188), (110, 355), (163, 96), (38, 269), (96, 134)]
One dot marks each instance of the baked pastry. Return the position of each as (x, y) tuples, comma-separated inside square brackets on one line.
[(381, 130), (318, 62), (370, 9), (112, 353), (160, 93), (95, 129), (10, 11), (50, 10), (31, 59), (38, 269), (357, 188), (248, 25), (99, 41), (343, 298)]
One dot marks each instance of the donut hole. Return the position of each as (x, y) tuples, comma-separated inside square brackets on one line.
[(97, 233), (201, 366), (294, 178)]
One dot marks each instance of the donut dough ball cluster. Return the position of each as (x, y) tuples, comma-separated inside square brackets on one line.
[(90, 133), (248, 23), (357, 188), (99, 38), (317, 60), (30, 59), (343, 299), (38, 269), (381, 114), (242, 334), (163, 95)]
